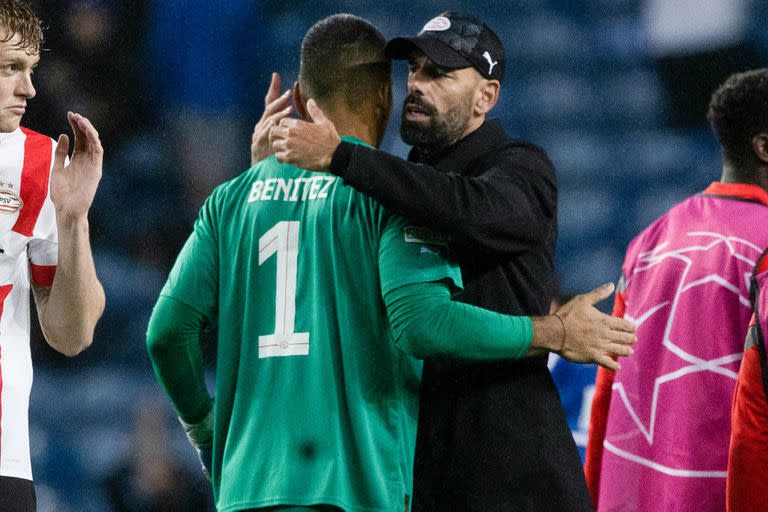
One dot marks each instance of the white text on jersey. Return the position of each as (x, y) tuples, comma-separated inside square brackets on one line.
[(292, 189)]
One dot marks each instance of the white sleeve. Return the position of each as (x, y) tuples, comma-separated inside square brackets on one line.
[(43, 248)]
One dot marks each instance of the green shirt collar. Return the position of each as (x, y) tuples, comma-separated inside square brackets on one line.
[(355, 140)]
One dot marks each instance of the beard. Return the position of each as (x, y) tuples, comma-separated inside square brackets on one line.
[(441, 129)]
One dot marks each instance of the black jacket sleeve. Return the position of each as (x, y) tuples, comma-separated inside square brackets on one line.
[(510, 207)]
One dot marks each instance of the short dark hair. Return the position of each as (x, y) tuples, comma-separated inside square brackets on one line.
[(17, 17), (738, 111), (342, 59)]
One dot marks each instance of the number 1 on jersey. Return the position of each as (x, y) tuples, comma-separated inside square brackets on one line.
[(282, 240)]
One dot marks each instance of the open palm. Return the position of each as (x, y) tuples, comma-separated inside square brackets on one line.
[(74, 186)]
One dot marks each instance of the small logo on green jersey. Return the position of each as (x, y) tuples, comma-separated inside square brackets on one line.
[(419, 235)]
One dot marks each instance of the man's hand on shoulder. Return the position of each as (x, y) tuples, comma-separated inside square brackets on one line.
[(276, 107), (306, 144), (580, 333)]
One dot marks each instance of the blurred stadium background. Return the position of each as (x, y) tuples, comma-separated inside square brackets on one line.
[(614, 90)]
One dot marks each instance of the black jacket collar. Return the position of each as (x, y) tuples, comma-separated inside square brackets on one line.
[(457, 157)]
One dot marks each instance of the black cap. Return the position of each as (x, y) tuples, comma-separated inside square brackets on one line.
[(454, 40)]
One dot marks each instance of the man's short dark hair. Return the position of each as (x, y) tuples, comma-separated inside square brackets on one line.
[(738, 111), (342, 59), (17, 17)]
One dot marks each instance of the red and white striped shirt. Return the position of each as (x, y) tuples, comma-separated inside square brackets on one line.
[(28, 255)]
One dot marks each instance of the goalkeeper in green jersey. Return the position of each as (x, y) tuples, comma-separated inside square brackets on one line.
[(321, 298)]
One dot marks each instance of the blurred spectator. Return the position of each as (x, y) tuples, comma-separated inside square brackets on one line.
[(696, 44), (94, 64), (153, 481), (203, 55)]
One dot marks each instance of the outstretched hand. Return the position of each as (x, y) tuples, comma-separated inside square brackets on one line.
[(591, 336), (306, 144), (74, 186), (276, 107)]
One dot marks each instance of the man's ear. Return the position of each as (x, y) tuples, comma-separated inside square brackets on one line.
[(299, 103), (760, 146), (487, 96), (384, 102)]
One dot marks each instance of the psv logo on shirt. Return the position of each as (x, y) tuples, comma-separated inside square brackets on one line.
[(10, 202)]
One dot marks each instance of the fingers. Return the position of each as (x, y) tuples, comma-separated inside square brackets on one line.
[(276, 105), (289, 140), (619, 350), (623, 338), (279, 146), (274, 119), (600, 293), (86, 136), (274, 90), (62, 149), (277, 139), (315, 112), (274, 101), (278, 132), (282, 130), (617, 344), (72, 118), (608, 362), (592, 335), (75, 125), (619, 324), (285, 125), (263, 130), (88, 129)]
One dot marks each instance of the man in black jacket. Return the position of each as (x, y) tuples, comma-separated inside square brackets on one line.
[(491, 436)]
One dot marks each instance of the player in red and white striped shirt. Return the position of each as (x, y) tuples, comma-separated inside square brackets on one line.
[(44, 243)]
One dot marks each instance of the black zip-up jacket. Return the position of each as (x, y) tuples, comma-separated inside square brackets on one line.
[(492, 437)]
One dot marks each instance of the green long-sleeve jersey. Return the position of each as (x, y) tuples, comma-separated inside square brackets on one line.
[(319, 295), (314, 402)]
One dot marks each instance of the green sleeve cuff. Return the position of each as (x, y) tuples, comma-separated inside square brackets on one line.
[(527, 333), (425, 323)]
